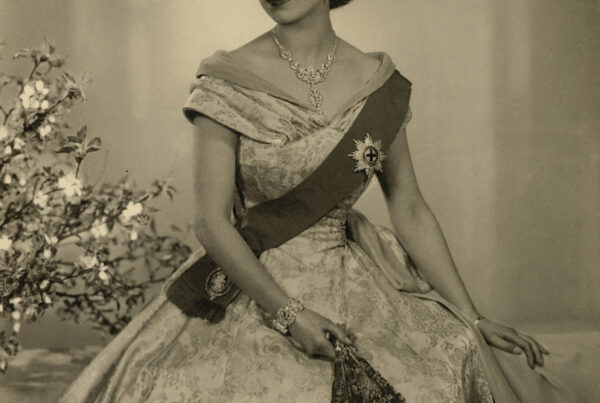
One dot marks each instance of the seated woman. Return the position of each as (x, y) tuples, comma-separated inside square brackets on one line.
[(309, 268)]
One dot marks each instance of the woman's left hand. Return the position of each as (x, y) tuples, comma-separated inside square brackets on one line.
[(512, 341)]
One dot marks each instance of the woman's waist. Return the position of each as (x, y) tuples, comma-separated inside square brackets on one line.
[(328, 232)]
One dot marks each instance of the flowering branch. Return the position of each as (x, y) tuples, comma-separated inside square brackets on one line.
[(88, 251)]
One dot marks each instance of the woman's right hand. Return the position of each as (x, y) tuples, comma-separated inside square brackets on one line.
[(309, 330)]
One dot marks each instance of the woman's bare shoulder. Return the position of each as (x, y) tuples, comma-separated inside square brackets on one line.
[(255, 51), (354, 60)]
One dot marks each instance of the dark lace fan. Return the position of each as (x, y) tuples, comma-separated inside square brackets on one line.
[(356, 381)]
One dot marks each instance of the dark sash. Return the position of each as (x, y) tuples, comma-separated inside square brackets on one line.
[(204, 291)]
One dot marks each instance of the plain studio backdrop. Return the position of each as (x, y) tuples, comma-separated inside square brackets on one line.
[(504, 134)]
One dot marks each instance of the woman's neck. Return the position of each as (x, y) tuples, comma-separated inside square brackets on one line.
[(309, 39)]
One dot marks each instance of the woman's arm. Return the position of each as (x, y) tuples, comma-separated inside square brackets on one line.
[(419, 232), (418, 229), (214, 187)]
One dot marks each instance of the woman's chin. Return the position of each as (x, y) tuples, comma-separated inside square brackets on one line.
[(287, 11)]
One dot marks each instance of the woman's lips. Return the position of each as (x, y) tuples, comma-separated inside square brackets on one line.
[(276, 3)]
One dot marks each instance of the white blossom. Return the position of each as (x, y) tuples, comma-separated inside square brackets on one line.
[(18, 143), (51, 119), (1, 308), (3, 132), (28, 90), (45, 130), (44, 284), (99, 229), (5, 243), (16, 315), (47, 299), (25, 96), (103, 276), (50, 240), (30, 311), (103, 273), (7, 150), (17, 327), (47, 254), (70, 185), (132, 209), (40, 199), (88, 261), (7, 179), (25, 100), (23, 245), (33, 97), (15, 301), (133, 235)]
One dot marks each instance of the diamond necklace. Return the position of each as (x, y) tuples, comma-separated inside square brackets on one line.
[(309, 74)]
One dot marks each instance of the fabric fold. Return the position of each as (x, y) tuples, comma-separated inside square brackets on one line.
[(510, 380), (384, 248), (219, 101)]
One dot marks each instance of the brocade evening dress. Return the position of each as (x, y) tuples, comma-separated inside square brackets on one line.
[(424, 348)]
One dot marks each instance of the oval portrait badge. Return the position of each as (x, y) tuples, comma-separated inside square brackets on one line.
[(217, 284)]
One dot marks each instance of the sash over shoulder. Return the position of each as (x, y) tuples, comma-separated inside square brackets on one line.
[(203, 290)]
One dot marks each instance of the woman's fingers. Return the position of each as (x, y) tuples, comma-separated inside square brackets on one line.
[(337, 331), (324, 347), (504, 345), (542, 348), (510, 340), (523, 344), (537, 351)]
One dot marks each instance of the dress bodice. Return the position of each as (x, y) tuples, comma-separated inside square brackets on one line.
[(282, 140)]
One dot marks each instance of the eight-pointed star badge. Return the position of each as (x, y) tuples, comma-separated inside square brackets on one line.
[(368, 155)]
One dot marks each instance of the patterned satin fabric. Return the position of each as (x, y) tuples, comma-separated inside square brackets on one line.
[(425, 352)]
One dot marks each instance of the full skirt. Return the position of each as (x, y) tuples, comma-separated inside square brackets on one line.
[(422, 345)]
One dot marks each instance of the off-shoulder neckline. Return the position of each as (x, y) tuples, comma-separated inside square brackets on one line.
[(223, 66)]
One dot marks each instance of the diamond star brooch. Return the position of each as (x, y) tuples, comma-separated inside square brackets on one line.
[(368, 155)]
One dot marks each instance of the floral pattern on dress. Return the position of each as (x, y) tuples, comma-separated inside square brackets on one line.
[(418, 346)]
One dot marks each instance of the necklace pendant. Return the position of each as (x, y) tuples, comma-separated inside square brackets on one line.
[(311, 75), (315, 97)]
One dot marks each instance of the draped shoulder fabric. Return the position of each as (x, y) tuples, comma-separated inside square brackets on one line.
[(424, 347)]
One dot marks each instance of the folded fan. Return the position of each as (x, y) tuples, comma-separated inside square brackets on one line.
[(356, 381)]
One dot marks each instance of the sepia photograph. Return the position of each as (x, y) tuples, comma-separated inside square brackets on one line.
[(304, 201)]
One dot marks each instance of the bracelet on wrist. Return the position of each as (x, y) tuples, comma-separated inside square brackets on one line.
[(286, 315), (478, 319)]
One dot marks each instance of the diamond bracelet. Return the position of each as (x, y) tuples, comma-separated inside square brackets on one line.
[(286, 315)]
